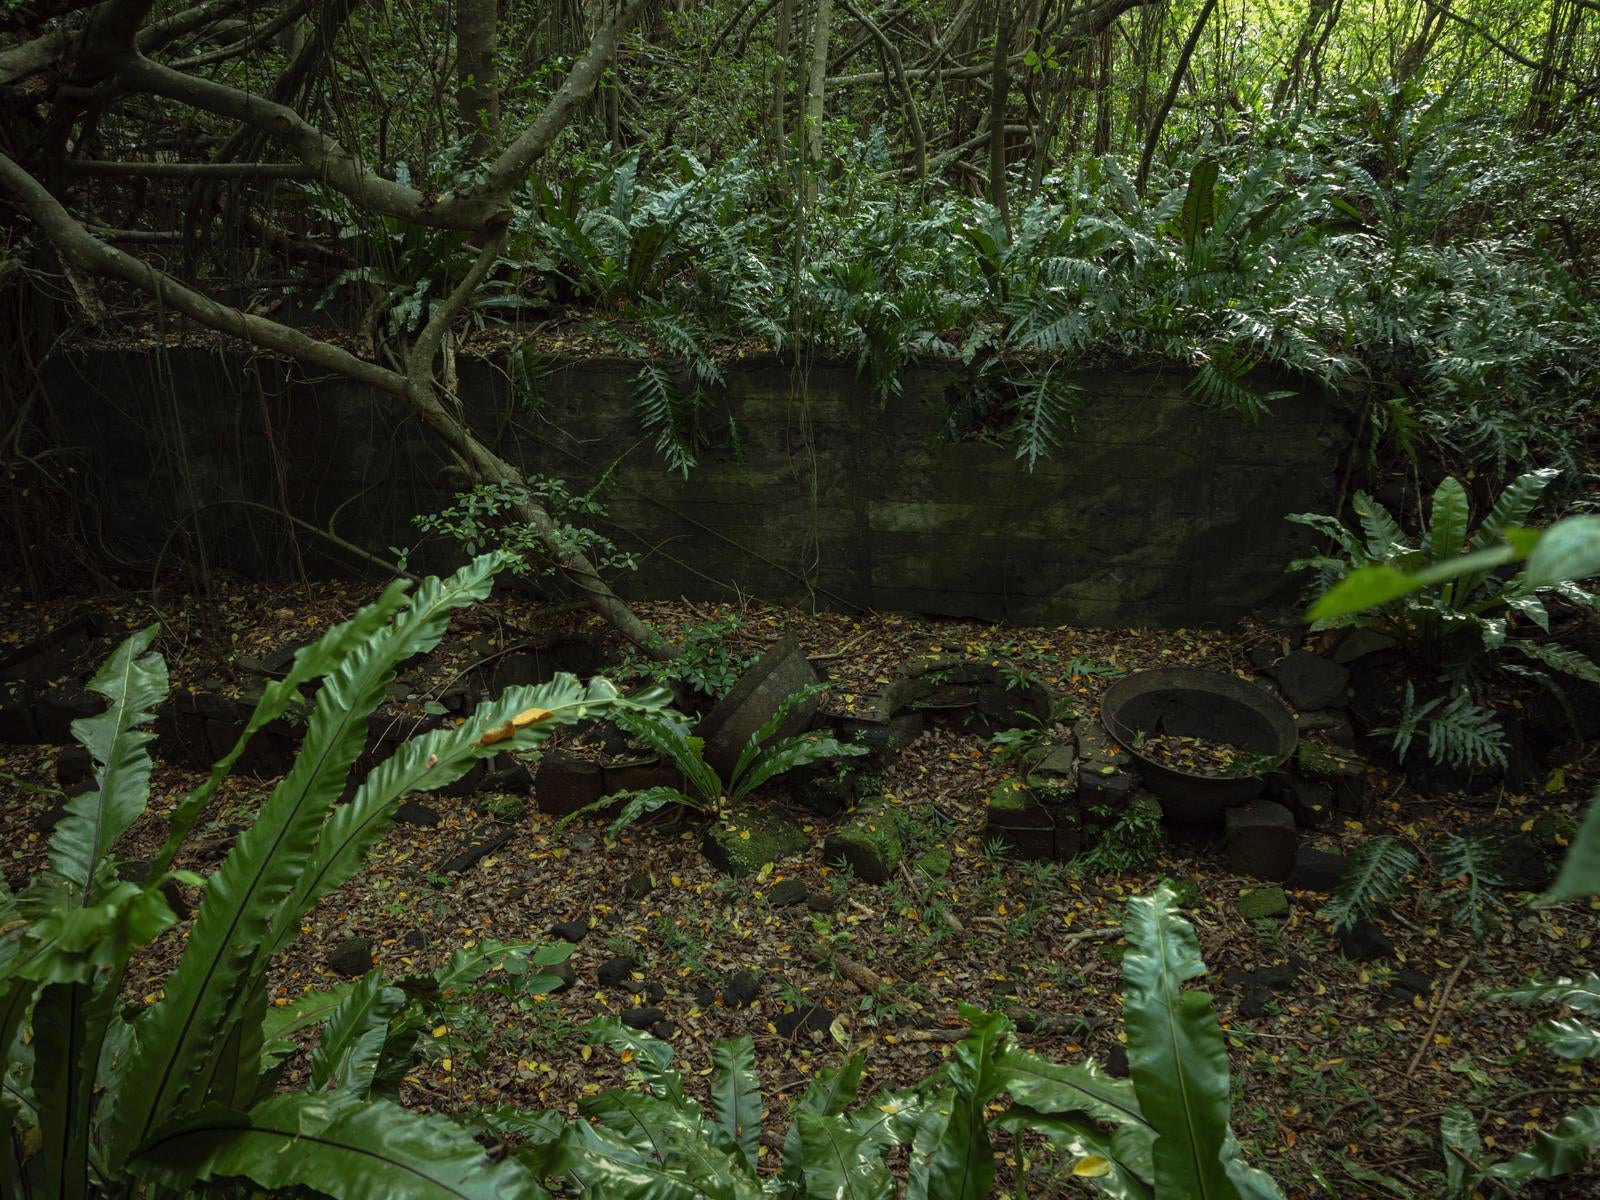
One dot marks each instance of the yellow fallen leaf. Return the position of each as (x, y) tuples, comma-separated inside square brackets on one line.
[(440, 1030), (528, 716), (1091, 1166)]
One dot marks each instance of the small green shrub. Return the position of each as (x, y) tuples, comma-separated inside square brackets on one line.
[(182, 1092), (480, 520), (761, 760), (705, 661)]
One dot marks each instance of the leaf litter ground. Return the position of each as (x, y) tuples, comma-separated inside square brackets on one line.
[(1349, 1064)]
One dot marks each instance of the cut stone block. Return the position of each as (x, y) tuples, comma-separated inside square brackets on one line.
[(780, 672), (1260, 903), (883, 736), (1316, 871), (750, 839), (870, 843), (564, 783), (1262, 840), (640, 774), (1341, 769), (1310, 681), (1309, 801)]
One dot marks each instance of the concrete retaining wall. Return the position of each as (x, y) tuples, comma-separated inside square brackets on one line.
[(1155, 512)]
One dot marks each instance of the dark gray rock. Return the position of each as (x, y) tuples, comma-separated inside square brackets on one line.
[(415, 939), (74, 766), (822, 902), (563, 971), (643, 1018), (883, 736), (787, 893), (742, 990), (1117, 1062), (564, 783), (705, 995), (351, 958), (614, 972), (475, 849), (570, 931), (1258, 904), (1262, 840), (1316, 871), (1365, 942), (807, 1021), (1404, 988), (652, 992), (1358, 643), (663, 1030), (415, 813), (639, 885), (1310, 681), (1265, 655), (1258, 987)]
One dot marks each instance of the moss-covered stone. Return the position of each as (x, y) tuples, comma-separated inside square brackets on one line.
[(1554, 830), (751, 838), (870, 843), (1113, 952), (935, 864), (1258, 904), (1009, 796)]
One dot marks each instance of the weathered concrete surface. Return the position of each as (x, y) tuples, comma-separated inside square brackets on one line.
[(1155, 512)]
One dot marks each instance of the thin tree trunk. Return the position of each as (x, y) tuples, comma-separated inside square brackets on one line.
[(477, 92), (783, 39), (815, 86), (999, 88), (1153, 136)]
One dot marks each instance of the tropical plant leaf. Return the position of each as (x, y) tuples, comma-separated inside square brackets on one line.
[(636, 805), (346, 1057), (959, 1162), (788, 754), (1568, 551), (832, 1091), (1513, 506), (310, 663), (281, 1024), (1568, 1038), (1463, 1148), (1060, 1088), (1176, 1054), (1095, 1160), (432, 760), (65, 1057), (1559, 658), (677, 747), (1582, 994), (611, 1169), (1199, 204), (1383, 533), (1555, 1153), (1447, 525), (736, 1096), (838, 1162), (757, 741), (338, 1146), (227, 941), (1374, 876), (1580, 870), (134, 679)]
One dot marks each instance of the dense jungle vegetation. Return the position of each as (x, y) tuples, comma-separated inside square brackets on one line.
[(1398, 200)]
